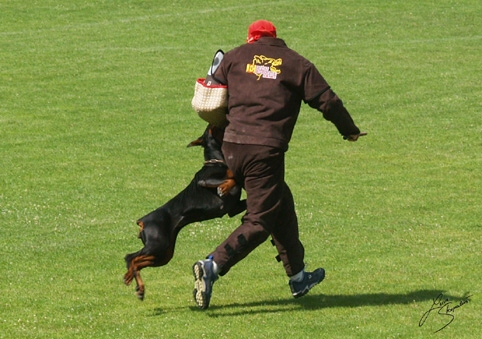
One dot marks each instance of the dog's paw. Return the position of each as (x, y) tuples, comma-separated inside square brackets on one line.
[(140, 293), (220, 191), (128, 278), (226, 187)]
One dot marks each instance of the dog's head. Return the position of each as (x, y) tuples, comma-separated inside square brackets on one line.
[(211, 134), (211, 141)]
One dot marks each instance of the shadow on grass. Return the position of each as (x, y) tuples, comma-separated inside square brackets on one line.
[(318, 302), (321, 301)]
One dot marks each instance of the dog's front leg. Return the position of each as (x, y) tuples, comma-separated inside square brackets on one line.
[(227, 185)]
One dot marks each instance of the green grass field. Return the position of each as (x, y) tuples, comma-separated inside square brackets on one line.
[(94, 118)]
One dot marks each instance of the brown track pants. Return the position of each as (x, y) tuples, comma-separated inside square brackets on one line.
[(270, 208)]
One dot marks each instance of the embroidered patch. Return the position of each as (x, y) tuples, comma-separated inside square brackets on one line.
[(264, 67)]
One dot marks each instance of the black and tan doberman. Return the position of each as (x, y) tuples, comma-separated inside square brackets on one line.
[(211, 194)]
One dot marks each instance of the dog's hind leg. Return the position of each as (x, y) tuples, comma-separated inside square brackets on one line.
[(129, 258), (136, 265), (143, 261)]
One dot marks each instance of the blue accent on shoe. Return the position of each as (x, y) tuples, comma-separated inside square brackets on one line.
[(204, 278), (310, 280)]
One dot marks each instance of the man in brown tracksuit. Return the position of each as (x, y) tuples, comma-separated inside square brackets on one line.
[(267, 82)]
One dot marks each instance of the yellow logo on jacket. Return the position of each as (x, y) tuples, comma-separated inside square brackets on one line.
[(264, 67)]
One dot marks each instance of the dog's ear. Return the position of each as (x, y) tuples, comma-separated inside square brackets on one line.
[(197, 142)]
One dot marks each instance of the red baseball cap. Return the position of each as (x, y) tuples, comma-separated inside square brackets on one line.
[(259, 29)]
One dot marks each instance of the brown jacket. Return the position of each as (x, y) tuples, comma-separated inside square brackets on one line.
[(267, 81)]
